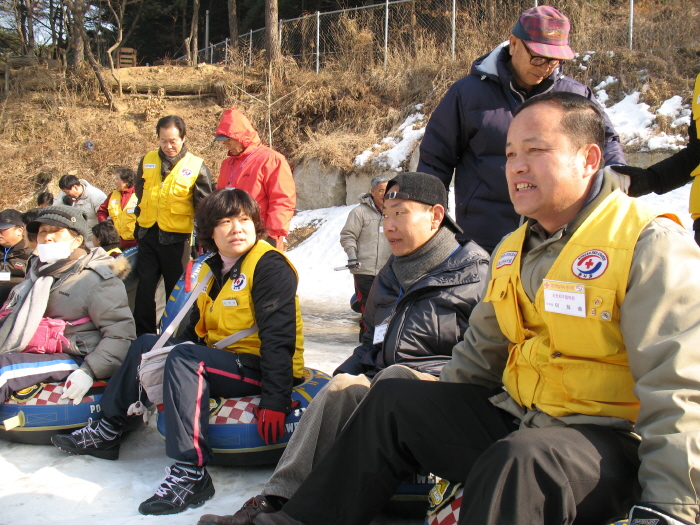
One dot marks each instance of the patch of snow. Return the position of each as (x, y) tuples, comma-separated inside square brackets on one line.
[(631, 120), (605, 83), (671, 107), (602, 96), (409, 133)]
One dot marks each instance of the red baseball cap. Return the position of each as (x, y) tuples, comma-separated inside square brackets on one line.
[(545, 31)]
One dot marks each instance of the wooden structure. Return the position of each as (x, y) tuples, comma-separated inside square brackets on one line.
[(126, 57)]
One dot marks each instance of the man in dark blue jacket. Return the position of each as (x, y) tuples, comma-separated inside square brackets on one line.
[(467, 131)]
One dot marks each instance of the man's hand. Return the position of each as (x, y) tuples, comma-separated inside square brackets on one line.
[(635, 182), (77, 385), (644, 513), (270, 424), (354, 263)]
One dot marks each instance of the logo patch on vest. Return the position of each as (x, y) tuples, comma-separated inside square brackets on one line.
[(186, 172), (590, 265), (149, 166), (239, 283), (506, 259)]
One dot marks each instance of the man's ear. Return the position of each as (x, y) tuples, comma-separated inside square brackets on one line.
[(593, 156), (438, 216), (511, 45)]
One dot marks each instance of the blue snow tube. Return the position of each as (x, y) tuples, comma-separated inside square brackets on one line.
[(182, 291), (36, 419), (233, 427)]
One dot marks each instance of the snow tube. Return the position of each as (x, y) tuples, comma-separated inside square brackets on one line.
[(233, 429), (445, 506), (35, 420), (182, 291)]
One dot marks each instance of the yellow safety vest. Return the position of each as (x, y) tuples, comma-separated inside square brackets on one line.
[(694, 206), (563, 364), (232, 310), (124, 219), (169, 202)]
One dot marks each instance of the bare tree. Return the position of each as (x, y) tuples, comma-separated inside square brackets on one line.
[(76, 29), (272, 35), (233, 23), (75, 6), (118, 7), (193, 52)]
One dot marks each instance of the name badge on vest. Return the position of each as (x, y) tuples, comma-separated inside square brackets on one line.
[(381, 229), (5, 276), (149, 166), (130, 210), (380, 333), (230, 302), (564, 298)]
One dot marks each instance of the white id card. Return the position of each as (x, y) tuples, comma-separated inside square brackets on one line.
[(380, 333), (564, 298), (381, 229), (230, 302), (5, 276)]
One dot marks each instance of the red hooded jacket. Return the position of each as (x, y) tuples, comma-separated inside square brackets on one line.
[(259, 170)]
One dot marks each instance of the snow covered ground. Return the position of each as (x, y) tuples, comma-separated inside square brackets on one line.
[(45, 485)]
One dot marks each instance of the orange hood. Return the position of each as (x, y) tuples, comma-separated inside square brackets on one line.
[(236, 125)]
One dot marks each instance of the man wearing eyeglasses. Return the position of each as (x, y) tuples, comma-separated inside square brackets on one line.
[(466, 133)]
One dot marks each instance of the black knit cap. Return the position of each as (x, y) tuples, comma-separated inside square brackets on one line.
[(10, 218), (424, 188), (63, 217)]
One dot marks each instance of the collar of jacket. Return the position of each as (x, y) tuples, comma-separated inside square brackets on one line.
[(451, 272), (494, 65)]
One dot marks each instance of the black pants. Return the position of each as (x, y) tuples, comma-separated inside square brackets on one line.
[(192, 375), (154, 260), (363, 284), (558, 475)]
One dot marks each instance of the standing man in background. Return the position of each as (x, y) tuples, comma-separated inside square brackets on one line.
[(259, 170), (466, 134), (170, 182), (364, 242)]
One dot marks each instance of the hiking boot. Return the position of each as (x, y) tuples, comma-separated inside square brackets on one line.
[(90, 441), (180, 490), (276, 518), (244, 516)]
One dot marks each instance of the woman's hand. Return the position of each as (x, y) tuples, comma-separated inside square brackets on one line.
[(270, 424)]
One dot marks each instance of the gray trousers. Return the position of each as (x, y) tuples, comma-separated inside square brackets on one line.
[(322, 421)]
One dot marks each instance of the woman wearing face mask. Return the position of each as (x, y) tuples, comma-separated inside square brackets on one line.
[(250, 292), (71, 282)]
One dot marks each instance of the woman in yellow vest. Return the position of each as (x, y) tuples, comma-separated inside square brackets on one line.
[(673, 172), (250, 293), (120, 206)]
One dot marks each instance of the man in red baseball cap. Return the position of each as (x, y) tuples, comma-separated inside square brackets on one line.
[(466, 134)]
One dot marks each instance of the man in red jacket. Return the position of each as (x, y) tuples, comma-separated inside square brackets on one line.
[(259, 170)]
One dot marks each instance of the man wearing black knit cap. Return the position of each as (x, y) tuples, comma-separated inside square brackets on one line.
[(430, 281)]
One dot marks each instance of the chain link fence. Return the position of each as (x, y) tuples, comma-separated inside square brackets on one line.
[(366, 36)]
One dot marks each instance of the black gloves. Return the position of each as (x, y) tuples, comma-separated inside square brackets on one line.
[(642, 181), (644, 513), (353, 263)]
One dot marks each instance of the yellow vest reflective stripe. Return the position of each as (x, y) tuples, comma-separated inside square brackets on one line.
[(694, 206), (232, 310), (124, 219), (169, 202), (562, 364)]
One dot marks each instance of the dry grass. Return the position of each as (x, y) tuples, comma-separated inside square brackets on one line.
[(332, 116)]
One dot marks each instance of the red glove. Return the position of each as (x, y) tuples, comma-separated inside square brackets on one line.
[(270, 424)]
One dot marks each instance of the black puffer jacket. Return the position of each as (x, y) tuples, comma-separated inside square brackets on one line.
[(429, 319)]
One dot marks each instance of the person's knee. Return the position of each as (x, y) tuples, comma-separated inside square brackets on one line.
[(346, 386), (525, 448), (395, 372), (179, 360)]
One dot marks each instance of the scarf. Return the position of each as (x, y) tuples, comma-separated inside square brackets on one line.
[(28, 303), (409, 269), (167, 163)]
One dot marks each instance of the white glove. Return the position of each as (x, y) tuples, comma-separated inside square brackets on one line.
[(622, 180), (77, 385)]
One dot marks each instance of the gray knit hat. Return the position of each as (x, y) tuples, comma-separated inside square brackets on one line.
[(63, 217)]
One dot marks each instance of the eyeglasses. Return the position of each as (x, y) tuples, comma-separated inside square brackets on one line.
[(540, 60)]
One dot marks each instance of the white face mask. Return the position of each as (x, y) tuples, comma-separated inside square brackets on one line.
[(54, 251)]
